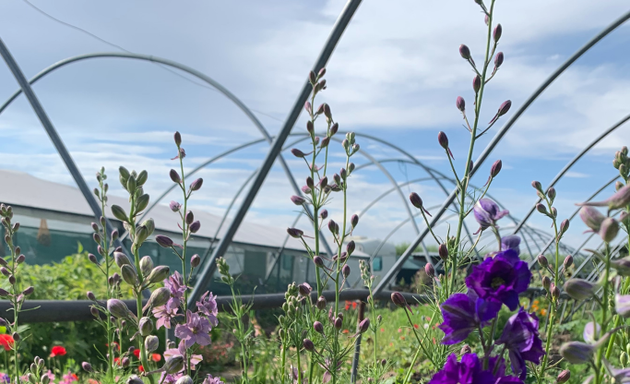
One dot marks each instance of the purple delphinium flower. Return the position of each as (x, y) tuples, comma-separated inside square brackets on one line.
[(511, 242), (208, 307), (464, 313), (175, 284), (164, 315), (166, 378), (212, 380), (487, 213), (181, 351), (520, 336), (470, 371), (195, 330), (500, 278)]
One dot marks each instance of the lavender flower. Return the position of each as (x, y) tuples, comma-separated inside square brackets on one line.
[(175, 284), (164, 315), (520, 336), (208, 306), (181, 351), (501, 278), (464, 313), (196, 330), (212, 380), (487, 213)]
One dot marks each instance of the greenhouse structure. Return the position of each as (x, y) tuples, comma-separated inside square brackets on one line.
[(56, 222)]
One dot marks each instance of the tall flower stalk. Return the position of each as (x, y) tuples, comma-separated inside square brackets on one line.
[(323, 343), (16, 295), (104, 246)]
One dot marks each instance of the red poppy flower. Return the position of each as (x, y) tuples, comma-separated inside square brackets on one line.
[(6, 341), (136, 353), (156, 357), (57, 350), (140, 368)]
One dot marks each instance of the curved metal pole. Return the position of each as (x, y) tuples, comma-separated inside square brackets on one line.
[(276, 146), (495, 140), (572, 163), (426, 168), (181, 67), (55, 138), (452, 181)]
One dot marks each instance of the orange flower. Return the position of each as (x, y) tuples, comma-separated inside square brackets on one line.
[(57, 350), (156, 357), (402, 337), (92, 381), (346, 331), (6, 341), (543, 312)]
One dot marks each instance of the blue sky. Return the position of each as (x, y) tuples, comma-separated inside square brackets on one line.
[(394, 75)]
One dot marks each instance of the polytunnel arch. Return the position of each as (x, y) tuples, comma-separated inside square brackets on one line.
[(499, 135)]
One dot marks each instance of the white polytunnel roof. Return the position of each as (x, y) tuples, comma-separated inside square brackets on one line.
[(25, 191)]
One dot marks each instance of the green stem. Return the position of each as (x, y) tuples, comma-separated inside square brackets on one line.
[(283, 361), (465, 180), (410, 370)]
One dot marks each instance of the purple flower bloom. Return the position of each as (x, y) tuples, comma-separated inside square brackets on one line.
[(175, 284), (487, 213), (520, 337), (196, 330), (511, 242), (470, 371), (164, 316), (465, 313), (208, 306), (4, 378), (501, 278), (212, 380), (181, 351)]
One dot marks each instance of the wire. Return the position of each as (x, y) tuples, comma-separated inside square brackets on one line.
[(125, 50)]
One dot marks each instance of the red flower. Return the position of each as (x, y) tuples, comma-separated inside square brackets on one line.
[(74, 376), (415, 326), (117, 360), (136, 353), (354, 305), (156, 357), (140, 368), (57, 350), (346, 331), (6, 341)]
